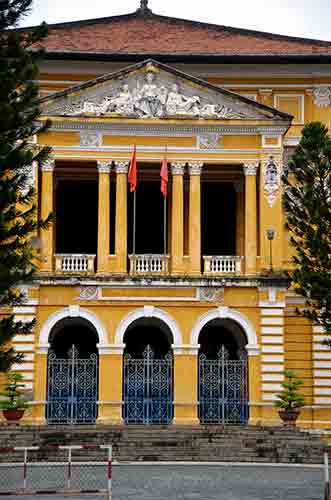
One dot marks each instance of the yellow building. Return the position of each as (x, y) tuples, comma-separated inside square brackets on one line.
[(199, 330)]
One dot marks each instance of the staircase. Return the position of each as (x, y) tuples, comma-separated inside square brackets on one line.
[(161, 443)]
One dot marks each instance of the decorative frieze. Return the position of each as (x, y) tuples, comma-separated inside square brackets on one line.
[(195, 167), (271, 180), (211, 294), (48, 165), (89, 293), (178, 168), (90, 139), (322, 96), (104, 167), (209, 141), (122, 167), (250, 169)]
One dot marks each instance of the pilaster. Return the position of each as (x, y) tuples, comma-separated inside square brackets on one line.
[(110, 384), (250, 172), (121, 244), (47, 206), (104, 168), (177, 216), (186, 385), (40, 387), (195, 169)]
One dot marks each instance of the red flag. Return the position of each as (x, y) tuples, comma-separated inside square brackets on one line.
[(164, 176), (132, 177)]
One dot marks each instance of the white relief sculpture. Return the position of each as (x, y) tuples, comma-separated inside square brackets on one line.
[(209, 294), (150, 96), (322, 97), (271, 181), (209, 141), (89, 293), (90, 139)]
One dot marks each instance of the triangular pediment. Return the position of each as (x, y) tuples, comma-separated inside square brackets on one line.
[(151, 90)]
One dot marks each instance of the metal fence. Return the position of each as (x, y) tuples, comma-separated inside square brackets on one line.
[(33, 476)]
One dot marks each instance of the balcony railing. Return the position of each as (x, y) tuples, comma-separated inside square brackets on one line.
[(149, 264), (222, 264), (74, 263)]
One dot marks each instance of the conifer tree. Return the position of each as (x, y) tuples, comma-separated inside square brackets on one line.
[(307, 203), (19, 222)]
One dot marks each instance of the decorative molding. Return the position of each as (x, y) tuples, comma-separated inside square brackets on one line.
[(104, 167), (111, 349), (211, 294), (89, 293), (48, 165), (271, 180), (250, 169), (322, 96), (208, 141), (90, 139), (195, 167), (122, 167), (43, 348), (178, 168)]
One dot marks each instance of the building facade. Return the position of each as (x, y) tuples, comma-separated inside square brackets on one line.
[(188, 319)]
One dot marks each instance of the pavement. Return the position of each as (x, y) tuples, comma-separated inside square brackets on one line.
[(198, 482)]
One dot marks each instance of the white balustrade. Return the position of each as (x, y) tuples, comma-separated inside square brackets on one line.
[(74, 263), (222, 264), (149, 264)]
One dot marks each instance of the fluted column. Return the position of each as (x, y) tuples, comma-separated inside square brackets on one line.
[(121, 231), (104, 168), (47, 206), (177, 216), (195, 169), (250, 219)]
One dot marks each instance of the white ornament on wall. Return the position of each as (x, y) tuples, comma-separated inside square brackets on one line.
[(271, 180), (90, 139), (322, 97), (209, 141)]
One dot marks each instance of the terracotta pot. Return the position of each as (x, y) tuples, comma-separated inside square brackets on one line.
[(13, 416), (289, 417)]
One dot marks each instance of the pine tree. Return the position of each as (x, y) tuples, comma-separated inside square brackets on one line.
[(19, 222), (307, 203)]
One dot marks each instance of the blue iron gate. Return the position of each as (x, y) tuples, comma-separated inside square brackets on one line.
[(148, 389), (72, 390), (223, 389)]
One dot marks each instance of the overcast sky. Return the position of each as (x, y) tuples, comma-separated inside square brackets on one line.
[(307, 18)]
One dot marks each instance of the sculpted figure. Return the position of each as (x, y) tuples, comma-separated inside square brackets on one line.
[(149, 103), (122, 103), (178, 103)]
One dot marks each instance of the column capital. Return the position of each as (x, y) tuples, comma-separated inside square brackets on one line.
[(122, 167), (195, 167), (251, 169), (177, 168), (104, 167), (48, 165)]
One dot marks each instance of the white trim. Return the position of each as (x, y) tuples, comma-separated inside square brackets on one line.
[(267, 358), (25, 347), (322, 364), (24, 310), (322, 392), (69, 312), (111, 349), (273, 377), (272, 321), (23, 367), (149, 312), (272, 330), (322, 355), (321, 401), (272, 348), (322, 382), (272, 312), (271, 387), (24, 319), (323, 373), (266, 303), (272, 368), (23, 338), (227, 313), (272, 340)]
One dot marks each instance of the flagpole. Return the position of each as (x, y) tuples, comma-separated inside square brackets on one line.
[(134, 231), (165, 232)]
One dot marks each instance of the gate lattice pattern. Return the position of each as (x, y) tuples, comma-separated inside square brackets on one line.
[(223, 389), (148, 389), (72, 390)]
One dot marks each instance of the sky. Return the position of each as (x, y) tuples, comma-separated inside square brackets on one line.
[(305, 18)]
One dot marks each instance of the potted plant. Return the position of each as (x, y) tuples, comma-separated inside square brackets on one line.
[(290, 400), (12, 403)]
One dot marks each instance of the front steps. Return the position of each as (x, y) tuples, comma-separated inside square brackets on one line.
[(173, 443)]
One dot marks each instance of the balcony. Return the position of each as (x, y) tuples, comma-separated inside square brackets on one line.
[(149, 264), (75, 263), (217, 265)]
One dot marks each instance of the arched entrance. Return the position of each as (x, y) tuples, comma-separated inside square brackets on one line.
[(72, 382), (148, 372), (223, 373)]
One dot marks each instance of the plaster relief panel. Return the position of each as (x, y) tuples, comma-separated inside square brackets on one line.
[(271, 181)]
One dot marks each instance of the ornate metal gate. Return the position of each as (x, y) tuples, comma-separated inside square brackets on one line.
[(72, 390), (223, 389), (148, 389)]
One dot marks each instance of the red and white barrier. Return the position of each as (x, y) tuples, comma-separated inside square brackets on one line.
[(107, 493)]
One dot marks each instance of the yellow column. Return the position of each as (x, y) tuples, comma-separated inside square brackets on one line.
[(104, 168), (40, 385), (195, 169), (254, 383), (185, 385), (250, 219), (271, 209), (240, 225), (47, 206), (177, 216), (121, 231), (110, 384)]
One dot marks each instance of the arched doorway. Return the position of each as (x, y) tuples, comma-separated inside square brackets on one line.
[(72, 381), (148, 372), (223, 373)]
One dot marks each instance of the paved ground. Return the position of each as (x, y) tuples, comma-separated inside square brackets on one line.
[(205, 482)]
